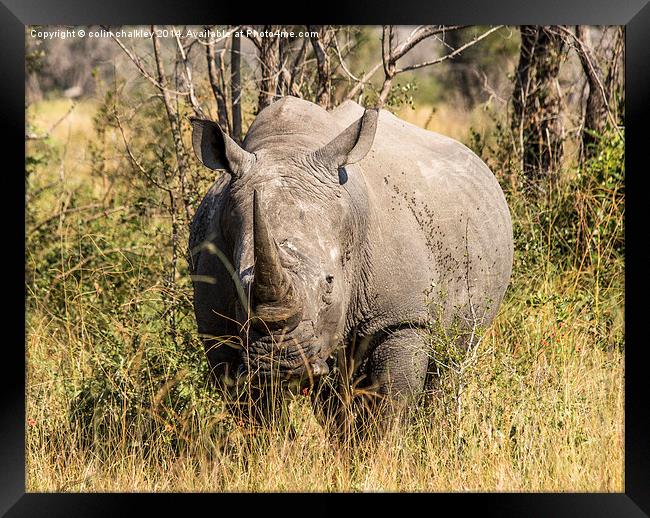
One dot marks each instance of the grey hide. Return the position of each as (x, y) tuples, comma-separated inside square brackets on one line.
[(348, 232)]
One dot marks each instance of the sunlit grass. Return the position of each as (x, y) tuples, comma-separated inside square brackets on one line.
[(447, 119), (539, 414)]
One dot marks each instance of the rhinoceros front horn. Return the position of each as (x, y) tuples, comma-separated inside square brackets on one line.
[(276, 303)]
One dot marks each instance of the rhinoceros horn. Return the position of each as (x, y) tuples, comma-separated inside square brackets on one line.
[(276, 303)]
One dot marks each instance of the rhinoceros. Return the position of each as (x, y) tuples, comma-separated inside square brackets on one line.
[(341, 240)]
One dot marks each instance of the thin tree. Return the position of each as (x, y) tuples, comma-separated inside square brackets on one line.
[(235, 86), (321, 40), (392, 52), (603, 85), (536, 110)]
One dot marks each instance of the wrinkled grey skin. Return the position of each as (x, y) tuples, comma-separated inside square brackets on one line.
[(383, 230)]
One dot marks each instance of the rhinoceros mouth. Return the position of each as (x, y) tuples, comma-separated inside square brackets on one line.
[(285, 356)]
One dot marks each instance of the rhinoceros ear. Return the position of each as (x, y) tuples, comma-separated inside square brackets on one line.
[(217, 150), (352, 144)]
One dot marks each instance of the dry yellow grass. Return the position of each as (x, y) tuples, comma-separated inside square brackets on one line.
[(542, 406), (535, 418), (70, 123), (446, 119)]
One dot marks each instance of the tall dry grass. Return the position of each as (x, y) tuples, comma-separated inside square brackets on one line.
[(116, 401)]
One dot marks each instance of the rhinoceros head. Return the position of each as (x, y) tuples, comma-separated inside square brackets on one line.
[(288, 223)]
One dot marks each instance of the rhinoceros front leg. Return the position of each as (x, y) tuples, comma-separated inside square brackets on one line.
[(396, 372), (391, 376), (397, 365)]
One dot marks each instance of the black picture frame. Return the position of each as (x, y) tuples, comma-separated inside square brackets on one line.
[(16, 14)]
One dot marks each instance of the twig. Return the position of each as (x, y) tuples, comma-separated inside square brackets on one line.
[(188, 76), (451, 54), (420, 34), (134, 160), (31, 136), (136, 61), (363, 81), (342, 61), (65, 212), (217, 91)]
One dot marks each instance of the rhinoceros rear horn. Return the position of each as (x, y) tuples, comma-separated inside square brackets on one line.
[(217, 150), (352, 144)]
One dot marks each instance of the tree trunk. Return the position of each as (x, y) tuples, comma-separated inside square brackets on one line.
[(536, 121), (294, 84), (214, 67), (321, 45), (269, 54), (387, 44), (596, 108), (235, 87), (615, 80)]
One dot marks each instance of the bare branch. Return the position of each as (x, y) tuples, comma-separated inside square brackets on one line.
[(342, 61), (235, 87), (134, 160), (320, 44), (420, 34), (217, 91), (585, 55), (451, 54), (298, 63), (364, 81), (386, 51), (139, 65), (188, 76), (391, 54), (256, 40), (269, 58), (174, 122)]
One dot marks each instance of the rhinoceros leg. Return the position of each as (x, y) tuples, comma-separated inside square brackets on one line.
[(395, 375), (391, 376), (397, 365)]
